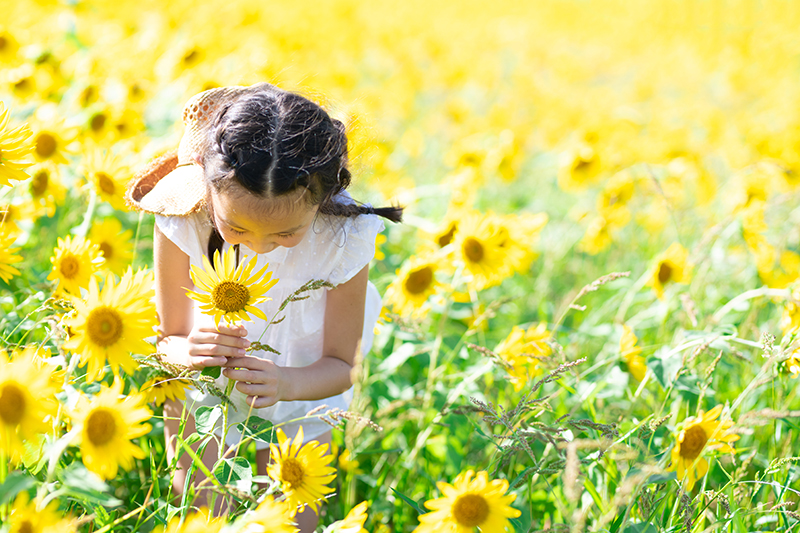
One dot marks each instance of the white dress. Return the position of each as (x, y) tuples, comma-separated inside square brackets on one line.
[(334, 249)]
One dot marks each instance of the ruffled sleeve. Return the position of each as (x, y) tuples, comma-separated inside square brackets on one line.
[(358, 248), (189, 233)]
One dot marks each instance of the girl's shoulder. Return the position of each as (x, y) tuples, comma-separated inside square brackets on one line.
[(344, 245), (189, 232)]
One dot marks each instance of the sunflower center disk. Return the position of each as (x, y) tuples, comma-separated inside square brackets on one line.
[(45, 145), (473, 249), (100, 427), (664, 273), (12, 404), (39, 183), (419, 281), (470, 510), (26, 527), (105, 183), (447, 237), (70, 266), (694, 440), (292, 472), (107, 250), (104, 326), (230, 296)]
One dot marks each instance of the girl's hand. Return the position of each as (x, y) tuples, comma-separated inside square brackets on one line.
[(210, 346), (261, 379)]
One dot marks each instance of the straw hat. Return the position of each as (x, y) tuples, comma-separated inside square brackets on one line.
[(173, 184)]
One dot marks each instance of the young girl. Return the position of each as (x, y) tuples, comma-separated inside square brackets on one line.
[(266, 170)]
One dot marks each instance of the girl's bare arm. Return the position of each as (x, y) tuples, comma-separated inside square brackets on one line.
[(178, 339)]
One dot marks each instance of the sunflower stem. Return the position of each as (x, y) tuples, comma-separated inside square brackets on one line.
[(83, 229)]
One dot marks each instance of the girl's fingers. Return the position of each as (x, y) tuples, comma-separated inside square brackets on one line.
[(216, 350), (257, 402), (233, 331), (249, 362), (212, 337), (203, 362)]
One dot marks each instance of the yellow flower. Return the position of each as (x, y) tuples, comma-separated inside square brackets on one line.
[(469, 503), (108, 423), (27, 399), (579, 167), (354, 521), (8, 256), (160, 389), (482, 245), (75, 261), (200, 522), (349, 465), (15, 147), (232, 292), (791, 365), (672, 267), (28, 517), (790, 319), (114, 243), (46, 190), (616, 194), (522, 350), (303, 471), (109, 176), (380, 238), (698, 434), (271, 517), (415, 283), (51, 142), (110, 324), (631, 354)]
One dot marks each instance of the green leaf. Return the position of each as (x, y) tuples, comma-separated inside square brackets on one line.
[(409, 501), (662, 478), (232, 470), (521, 477), (84, 486), (212, 371), (206, 417), (641, 527), (15, 483), (257, 428)]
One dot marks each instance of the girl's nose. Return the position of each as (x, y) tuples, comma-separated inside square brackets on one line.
[(262, 247)]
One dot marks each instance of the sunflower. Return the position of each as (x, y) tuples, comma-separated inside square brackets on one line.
[(631, 354), (354, 521), (790, 318), (27, 399), (108, 422), (414, 284), (200, 522), (110, 324), (270, 516), (15, 146), (46, 190), (160, 389), (469, 503), (109, 176), (8, 256), (114, 243), (349, 464), (303, 471), (52, 140), (481, 245), (232, 292), (700, 433), (522, 350), (75, 261), (27, 517), (672, 267)]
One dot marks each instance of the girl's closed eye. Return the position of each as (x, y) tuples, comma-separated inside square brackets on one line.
[(236, 231), (286, 235)]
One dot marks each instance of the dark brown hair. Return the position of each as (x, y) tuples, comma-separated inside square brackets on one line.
[(272, 142)]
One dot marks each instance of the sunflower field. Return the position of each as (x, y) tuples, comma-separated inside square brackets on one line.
[(591, 312)]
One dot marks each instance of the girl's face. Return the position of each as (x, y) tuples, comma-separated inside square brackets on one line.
[(262, 224)]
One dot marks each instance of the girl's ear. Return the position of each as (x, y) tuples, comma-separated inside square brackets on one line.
[(197, 159)]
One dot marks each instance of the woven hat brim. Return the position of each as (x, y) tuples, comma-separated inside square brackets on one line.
[(179, 193)]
